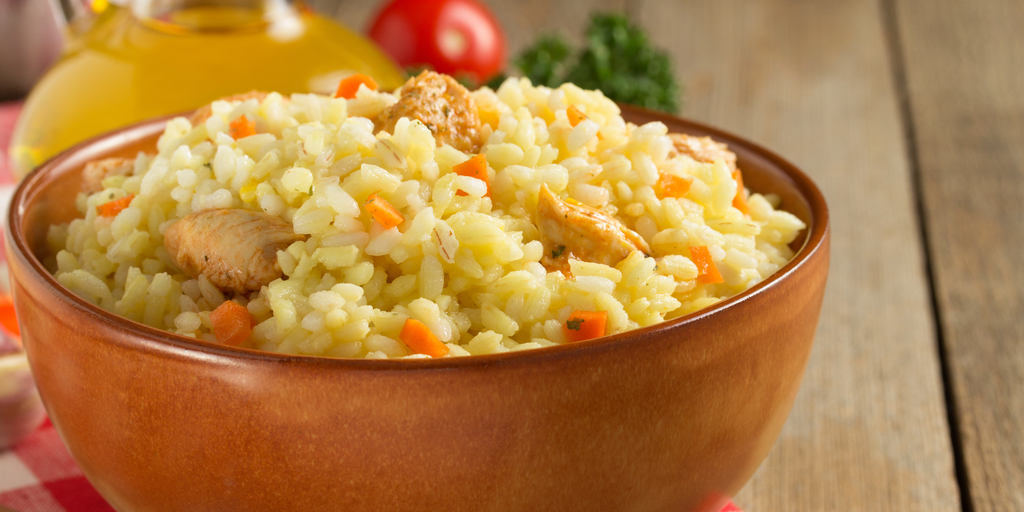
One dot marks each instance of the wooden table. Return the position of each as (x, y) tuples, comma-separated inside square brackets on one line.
[(910, 116)]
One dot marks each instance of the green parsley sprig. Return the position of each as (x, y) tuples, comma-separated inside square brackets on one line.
[(617, 58)]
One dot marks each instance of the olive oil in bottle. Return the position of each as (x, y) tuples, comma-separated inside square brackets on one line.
[(157, 57)]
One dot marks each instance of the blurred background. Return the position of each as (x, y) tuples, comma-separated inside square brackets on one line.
[(909, 114)]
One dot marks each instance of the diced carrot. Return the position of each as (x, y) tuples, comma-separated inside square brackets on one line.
[(740, 201), (241, 128), (575, 116), (232, 323), (7, 317), (349, 86), (707, 272), (419, 338), (382, 211), (670, 185), (585, 325), (114, 207), (475, 167)]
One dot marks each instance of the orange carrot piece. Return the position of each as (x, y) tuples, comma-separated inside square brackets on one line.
[(349, 86), (114, 207), (740, 201), (670, 185), (585, 325), (419, 338), (232, 323), (707, 272), (575, 116), (8, 318), (475, 167), (382, 211), (241, 128)]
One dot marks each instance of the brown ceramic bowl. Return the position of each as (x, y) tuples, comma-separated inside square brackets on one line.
[(672, 417)]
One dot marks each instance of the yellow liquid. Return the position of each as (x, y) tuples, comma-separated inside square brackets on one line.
[(125, 70)]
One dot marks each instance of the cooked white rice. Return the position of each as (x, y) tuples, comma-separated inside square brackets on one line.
[(467, 266)]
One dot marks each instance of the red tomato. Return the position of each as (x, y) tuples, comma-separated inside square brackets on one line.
[(451, 36)]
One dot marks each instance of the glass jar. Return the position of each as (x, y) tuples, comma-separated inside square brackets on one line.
[(157, 57)]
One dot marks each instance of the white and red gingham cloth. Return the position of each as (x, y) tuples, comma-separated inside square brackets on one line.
[(38, 474)]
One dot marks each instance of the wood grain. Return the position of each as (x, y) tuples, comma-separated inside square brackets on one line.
[(963, 65), (812, 80)]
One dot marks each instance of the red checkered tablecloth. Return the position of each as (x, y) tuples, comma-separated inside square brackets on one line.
[(38, 474)]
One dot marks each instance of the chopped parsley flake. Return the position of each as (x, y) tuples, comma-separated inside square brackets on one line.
[(574, 324)]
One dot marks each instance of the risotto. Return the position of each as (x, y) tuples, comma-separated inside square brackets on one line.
[(431, 221)]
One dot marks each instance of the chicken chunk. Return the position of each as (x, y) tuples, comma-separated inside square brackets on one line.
[(578, 231), (204, 112), (443, 105), (702, 149), (97, 171), (235, 249)]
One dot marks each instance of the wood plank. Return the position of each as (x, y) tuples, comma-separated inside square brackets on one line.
[(812, 80), (963, 65)]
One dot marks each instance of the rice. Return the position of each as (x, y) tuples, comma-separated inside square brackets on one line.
[(466, 264)]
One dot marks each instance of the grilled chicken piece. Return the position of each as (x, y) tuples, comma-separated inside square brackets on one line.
[(97, 171), (575, 230), (442, 104), (204, 112), (235, 249), (702, 149)]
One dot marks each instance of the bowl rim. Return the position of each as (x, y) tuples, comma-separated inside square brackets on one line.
[(172, 344)]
